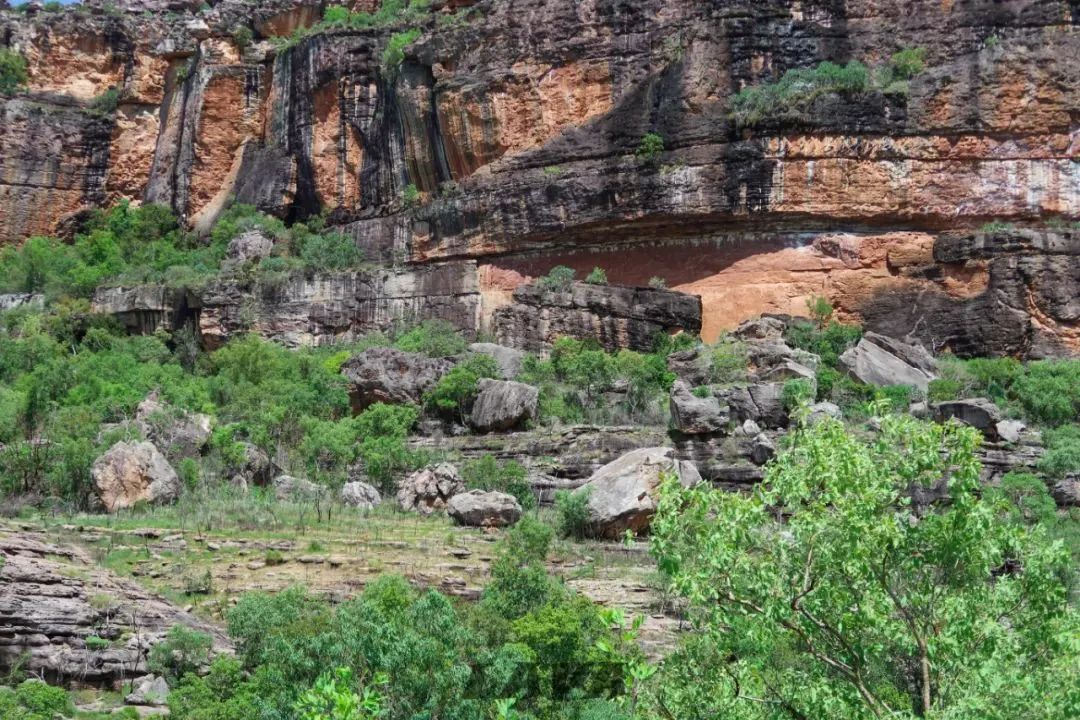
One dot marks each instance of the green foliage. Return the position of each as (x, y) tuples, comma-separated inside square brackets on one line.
[(106, 102), (333, 697), (1045, 391), (487, 473), (394, 53), (791, 97), (273, 557), (651, 147), (908, 63), (243, 36), (182, 651), (434, 338), (728, 361), (13, 75), (410, 195), (657, 283), (558, 279), (223, 694), (456, 390), (41, 701), (382, 430), (797, 392), (330, 252), (859, 604), (597, 277), (95, 643), (820, 309), (1062, 451), (572, 510)]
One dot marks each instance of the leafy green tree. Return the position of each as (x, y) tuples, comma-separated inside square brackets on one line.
[(13, 75), (597, 277), (457, 389), (860, 604), (182, 651), (487, 473), (558, 279), (434, 338), (651, 147), (333, 697)]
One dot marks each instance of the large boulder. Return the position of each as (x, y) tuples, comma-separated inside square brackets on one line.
[(392, 376), (360, 495), (622, 494), (253, 468), (510, 360), (174, 431), (479, 508), (979, 413), (287, 487), (880, 360), (134, 472), (149, 690), (692, 415), (428, 490), (252, 245), (503, 405), (762, 402)]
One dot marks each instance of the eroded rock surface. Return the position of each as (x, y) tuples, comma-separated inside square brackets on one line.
[(388, 375), (54, 597), (479, 508), (503, 405), (429, 490), (134, 472)]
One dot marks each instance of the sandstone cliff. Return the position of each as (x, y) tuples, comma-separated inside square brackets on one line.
[(506, 143)]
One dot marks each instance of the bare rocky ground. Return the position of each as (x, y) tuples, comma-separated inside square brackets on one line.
[(201, 567)]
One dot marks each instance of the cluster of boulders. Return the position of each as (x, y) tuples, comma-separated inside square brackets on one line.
[(388, 375)]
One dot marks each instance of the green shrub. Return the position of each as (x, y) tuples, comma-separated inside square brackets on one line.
[(106, 102), (796, 392), (243, 36), (43, 701), (383, 450), (434, 338), (792, 95), (182, 651), (898, 397), (597, 277), (820, 309), (728, 361), (558, 279), (908, 63), (13, 75), (943, 389), (410, 195), (456, 390), (394, 54), (657, 283), (1049, 391), (572, 509), (336, 15), (329, 252), (487, 473), (1062, 451), (95, 643), (650, 147), (274, 557)]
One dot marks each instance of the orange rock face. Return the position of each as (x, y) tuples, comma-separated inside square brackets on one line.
[(336, 152)]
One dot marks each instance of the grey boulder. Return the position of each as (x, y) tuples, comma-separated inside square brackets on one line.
[(762, 402), (479, 508), (510, 360), (693, 415), (503, 405), (174, 431), (427, 491), (360, 495), (979, 413), (388, 375), (880, 360), (248, 246), (622, 494), (149, 690), (287, 487), (134, 472)]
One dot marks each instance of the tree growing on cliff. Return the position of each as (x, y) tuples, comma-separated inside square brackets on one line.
[(13, 75), (826, 593)]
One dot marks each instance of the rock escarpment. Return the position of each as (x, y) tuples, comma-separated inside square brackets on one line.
[(54, 597), (506, 142)]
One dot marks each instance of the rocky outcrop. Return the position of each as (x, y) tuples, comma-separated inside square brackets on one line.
[(479, 508), (134, 472), (616, 317), (149, 690), (387, 375), (54, 597), (521, 148), (880, 360), (622, 494), (294, 489), (429, 490), (509, 360), (175, 432), (761, 402), (694, 415), (503, 405), (979, 413), (360, 495)]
